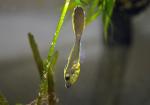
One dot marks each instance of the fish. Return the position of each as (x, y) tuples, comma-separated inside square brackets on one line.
[(72, 69)]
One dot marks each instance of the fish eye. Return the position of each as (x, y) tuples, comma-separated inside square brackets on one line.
[(67, 77)]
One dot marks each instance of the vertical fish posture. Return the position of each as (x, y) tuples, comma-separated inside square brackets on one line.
[(72, 69)]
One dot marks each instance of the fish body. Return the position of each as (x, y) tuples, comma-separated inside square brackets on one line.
[(72, 69)]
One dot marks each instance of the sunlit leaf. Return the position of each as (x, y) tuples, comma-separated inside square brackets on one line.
[(59, 25)]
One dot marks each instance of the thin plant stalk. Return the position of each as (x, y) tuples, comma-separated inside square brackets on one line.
[(59, 25)]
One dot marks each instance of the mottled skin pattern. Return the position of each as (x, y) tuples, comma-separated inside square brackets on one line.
[(72, 69)]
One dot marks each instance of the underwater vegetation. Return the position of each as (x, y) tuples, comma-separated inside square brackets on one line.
[(85, 11)]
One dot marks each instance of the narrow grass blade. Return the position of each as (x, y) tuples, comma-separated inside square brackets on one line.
[(52, 98), (36, 54), (51, 70), (54, 60), (59, 25), (107, 13)]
